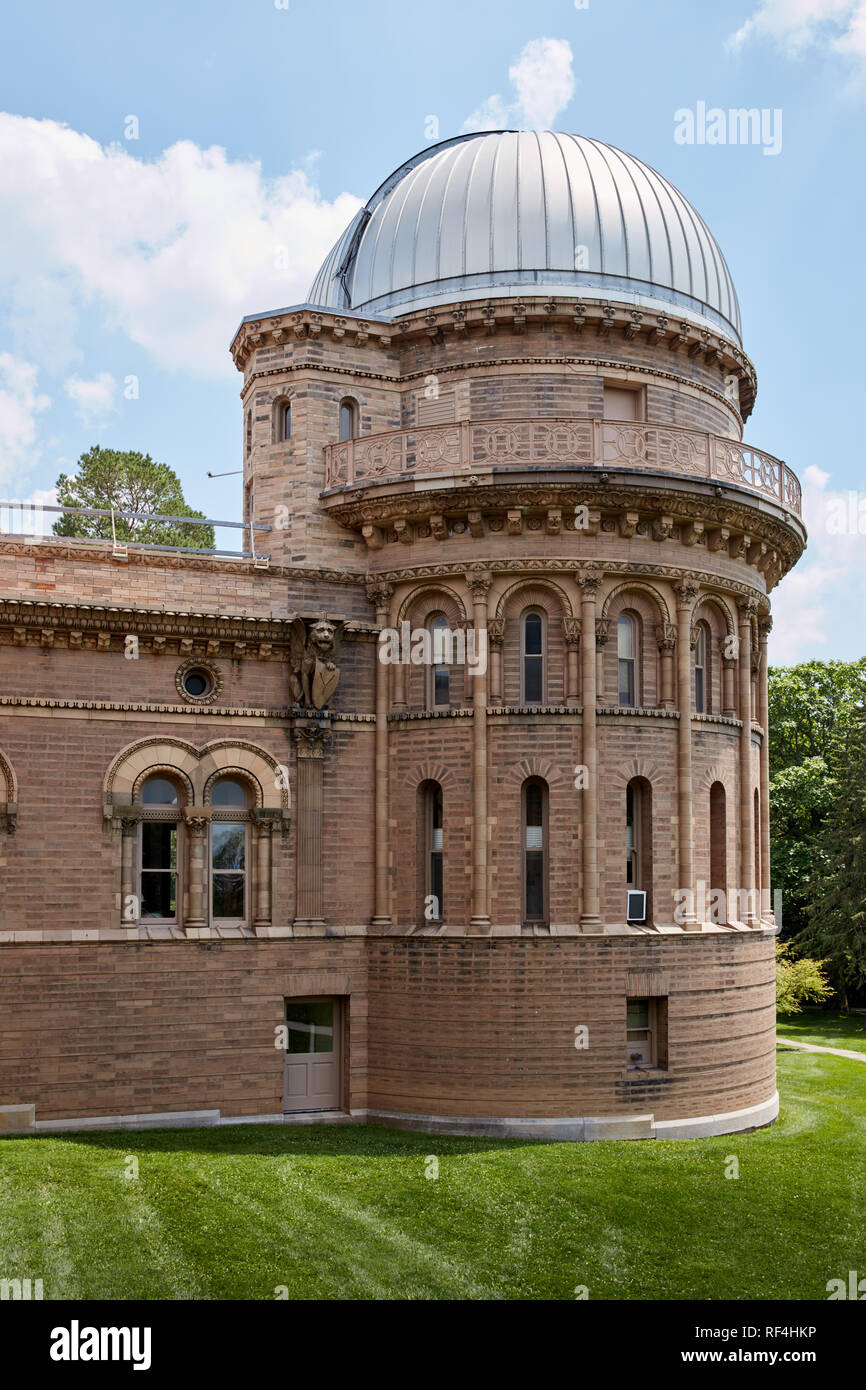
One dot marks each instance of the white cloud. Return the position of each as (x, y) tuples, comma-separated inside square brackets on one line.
[(492, 114), (20, 404), (796, 25), (543, 82), (171, 252), (95, 400), (814, 604)]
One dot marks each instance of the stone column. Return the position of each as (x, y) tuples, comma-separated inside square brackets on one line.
[(128, 829), (571, 630), (380, 593), (765, 625), (495, 638), (602, 637), (310, 741), (747, 884), (197, 819), (666, 640), (264, 829), (479, 583), (590, 582), (686, 592), (729, 699)]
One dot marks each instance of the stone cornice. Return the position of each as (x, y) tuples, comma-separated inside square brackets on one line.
[(280, 712), (511, 314), (242, 635)]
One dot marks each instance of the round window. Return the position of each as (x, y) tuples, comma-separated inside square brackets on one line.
[(196, 684)]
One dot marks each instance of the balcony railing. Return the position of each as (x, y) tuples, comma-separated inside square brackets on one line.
[(470, 445)]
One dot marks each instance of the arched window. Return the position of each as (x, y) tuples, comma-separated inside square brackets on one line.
[(638, 845), (249, 433), (348, 418), (532, 658), (229, 851), (434, 831), (534, 818), (702, 669), (286, 420), (158, 850), (626, 651), (718, 855), (439, 678)]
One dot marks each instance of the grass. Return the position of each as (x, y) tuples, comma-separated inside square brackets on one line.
[(825, 1028), (347, 1213)]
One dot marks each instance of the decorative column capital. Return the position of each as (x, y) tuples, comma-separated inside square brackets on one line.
[(666, 636), (311, 740), (765, 627), (687, 590), (590, 580), (479, 583), (379, 592), (748, 609), (602, 631), (571, 631), (495, 631), (197, 819)]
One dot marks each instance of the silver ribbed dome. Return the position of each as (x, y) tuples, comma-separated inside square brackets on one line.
[(505, 212)]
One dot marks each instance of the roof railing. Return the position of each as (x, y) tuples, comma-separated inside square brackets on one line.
[(121, 548)]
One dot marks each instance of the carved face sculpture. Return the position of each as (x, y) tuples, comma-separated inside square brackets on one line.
[(321, 638)]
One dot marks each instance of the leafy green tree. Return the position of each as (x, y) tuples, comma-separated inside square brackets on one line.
[(131, 482), (808, 705), (798, 981), (836, 926)]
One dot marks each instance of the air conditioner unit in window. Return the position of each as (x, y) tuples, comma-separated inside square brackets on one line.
[(635, 906)]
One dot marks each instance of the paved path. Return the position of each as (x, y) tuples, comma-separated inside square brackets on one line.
[(812, 1047)]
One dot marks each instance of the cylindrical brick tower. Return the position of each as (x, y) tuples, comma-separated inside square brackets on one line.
[(515, 402)]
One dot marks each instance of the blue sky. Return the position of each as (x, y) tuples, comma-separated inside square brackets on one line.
[(261, 128)]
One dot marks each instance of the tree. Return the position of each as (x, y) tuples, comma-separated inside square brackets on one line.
[(808, 705), (798, 981), (836, 926), (132, 482)]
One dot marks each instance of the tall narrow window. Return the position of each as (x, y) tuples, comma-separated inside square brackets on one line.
[(249, 434), (632, 860), (439, 684), (348, 419), (158, 850), (646, 1033), (287, 421), (533, 659), (701, 670), (534, 851), (228, 851), (435, 849), (626, 651), (718, 855)]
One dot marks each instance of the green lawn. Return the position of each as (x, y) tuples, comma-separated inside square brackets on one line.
[(825, 1029), (348, 1212)]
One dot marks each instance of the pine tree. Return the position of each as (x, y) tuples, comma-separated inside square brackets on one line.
[(132, 482)]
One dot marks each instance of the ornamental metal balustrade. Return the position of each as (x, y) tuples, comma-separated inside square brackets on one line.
[(475, 444)]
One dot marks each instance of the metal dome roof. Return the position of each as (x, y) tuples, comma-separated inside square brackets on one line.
[(511, 212)]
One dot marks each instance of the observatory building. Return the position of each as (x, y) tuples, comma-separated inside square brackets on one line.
[(446, 804)]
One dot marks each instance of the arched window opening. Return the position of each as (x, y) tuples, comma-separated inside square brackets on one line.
[(535, 909), (229, 849), (702, 669), (348, 419), (439, 680), (158, 851), (249, 433), (286, 421), (626, 651), (718, 855), (435, 850), (638, 850), (532, 659)]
